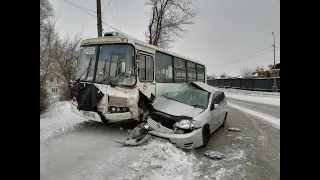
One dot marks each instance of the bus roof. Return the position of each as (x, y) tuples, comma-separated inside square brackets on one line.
[(102, 40)]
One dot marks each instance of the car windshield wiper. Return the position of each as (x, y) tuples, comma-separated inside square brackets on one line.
[(174, 99), (196, 105)]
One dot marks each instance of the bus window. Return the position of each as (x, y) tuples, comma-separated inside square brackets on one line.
[(191, 72), (145, 68), (142, 67), (163, 68), (149, 68), (179, 70), (200, 73)]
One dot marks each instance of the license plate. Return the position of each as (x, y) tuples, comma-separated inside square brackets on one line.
[(88, 114)]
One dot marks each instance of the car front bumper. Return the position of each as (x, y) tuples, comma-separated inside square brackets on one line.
[(185, 141)]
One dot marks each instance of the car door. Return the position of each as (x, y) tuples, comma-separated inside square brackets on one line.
[(216, 114), (223, 106)]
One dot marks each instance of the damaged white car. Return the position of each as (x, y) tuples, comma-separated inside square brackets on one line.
[(186, 115)]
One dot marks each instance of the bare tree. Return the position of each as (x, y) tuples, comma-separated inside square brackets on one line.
[(66, 53), (246, 72), (259, 68), (212, 76), (46, 12), (168, 19), (223, 75)]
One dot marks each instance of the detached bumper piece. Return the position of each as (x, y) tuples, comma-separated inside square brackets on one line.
[(138, 136)]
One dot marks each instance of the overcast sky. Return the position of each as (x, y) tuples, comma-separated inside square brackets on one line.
[(225, 31)]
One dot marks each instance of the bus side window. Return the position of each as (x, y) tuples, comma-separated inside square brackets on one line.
[(146, 70), (142, 67), (149, 68), (163, 68)]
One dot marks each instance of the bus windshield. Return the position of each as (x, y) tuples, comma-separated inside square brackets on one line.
[(115, 64)]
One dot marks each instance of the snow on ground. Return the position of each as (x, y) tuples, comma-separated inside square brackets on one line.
[(162, 160), (274, 121), (248, 92), (157, 159), (269, 98), (274, 101), (58, 119)]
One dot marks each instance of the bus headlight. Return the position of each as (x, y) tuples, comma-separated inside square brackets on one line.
[(114, 109)]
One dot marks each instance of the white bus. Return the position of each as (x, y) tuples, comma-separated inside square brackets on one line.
[(116, 74)]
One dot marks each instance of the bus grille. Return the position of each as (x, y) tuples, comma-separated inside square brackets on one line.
[(118, 101)]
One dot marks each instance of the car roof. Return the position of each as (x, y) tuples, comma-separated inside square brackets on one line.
[(205, 87)]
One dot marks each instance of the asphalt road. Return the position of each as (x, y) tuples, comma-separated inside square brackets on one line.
[(270, 110), (92, 152), (251, 154)]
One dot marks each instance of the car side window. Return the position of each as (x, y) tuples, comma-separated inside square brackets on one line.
[(222, 98)]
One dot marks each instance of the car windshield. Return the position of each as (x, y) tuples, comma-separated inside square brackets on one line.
[(188, 94), (115, 64)]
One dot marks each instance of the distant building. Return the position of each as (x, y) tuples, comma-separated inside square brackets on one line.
[(53, 84)]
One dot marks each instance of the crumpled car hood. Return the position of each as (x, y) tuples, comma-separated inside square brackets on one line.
[(175, 108)]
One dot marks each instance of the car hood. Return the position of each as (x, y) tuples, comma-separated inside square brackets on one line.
[(175, 108)]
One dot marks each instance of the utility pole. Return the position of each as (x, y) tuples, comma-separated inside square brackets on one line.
[(274, 88), (99, 24)]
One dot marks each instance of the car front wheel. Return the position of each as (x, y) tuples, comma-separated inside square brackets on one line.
[(205, 135)]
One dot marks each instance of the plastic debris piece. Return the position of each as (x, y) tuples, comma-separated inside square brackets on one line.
[(234, 129), (214, 154)]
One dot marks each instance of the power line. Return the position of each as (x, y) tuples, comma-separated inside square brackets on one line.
[(113, 18), (91, 35), (114, 2), (246, 57), (106, 7), (79, 6), (101, 21)]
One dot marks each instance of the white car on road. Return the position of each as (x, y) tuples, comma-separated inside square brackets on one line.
[(186, 115)]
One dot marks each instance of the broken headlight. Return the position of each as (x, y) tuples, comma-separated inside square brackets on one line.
[(185, 124)]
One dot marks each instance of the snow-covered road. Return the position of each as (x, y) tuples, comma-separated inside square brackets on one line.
[(73, 148)]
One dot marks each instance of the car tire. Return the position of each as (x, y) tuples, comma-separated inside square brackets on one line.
[(224, 121), (205, 135), (104, 121)]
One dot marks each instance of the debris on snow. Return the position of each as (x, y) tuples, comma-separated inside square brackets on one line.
[(155, 164), (129, 130), (234, 129), (136, 142), (121, 128), (214, 154)]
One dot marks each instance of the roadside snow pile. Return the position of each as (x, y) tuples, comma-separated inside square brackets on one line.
[(58, 119), (162, 160)]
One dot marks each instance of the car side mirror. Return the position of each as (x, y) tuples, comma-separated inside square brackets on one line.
[(214, 106)]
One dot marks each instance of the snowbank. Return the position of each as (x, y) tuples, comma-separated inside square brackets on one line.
[(58, 119), (162, 160)]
